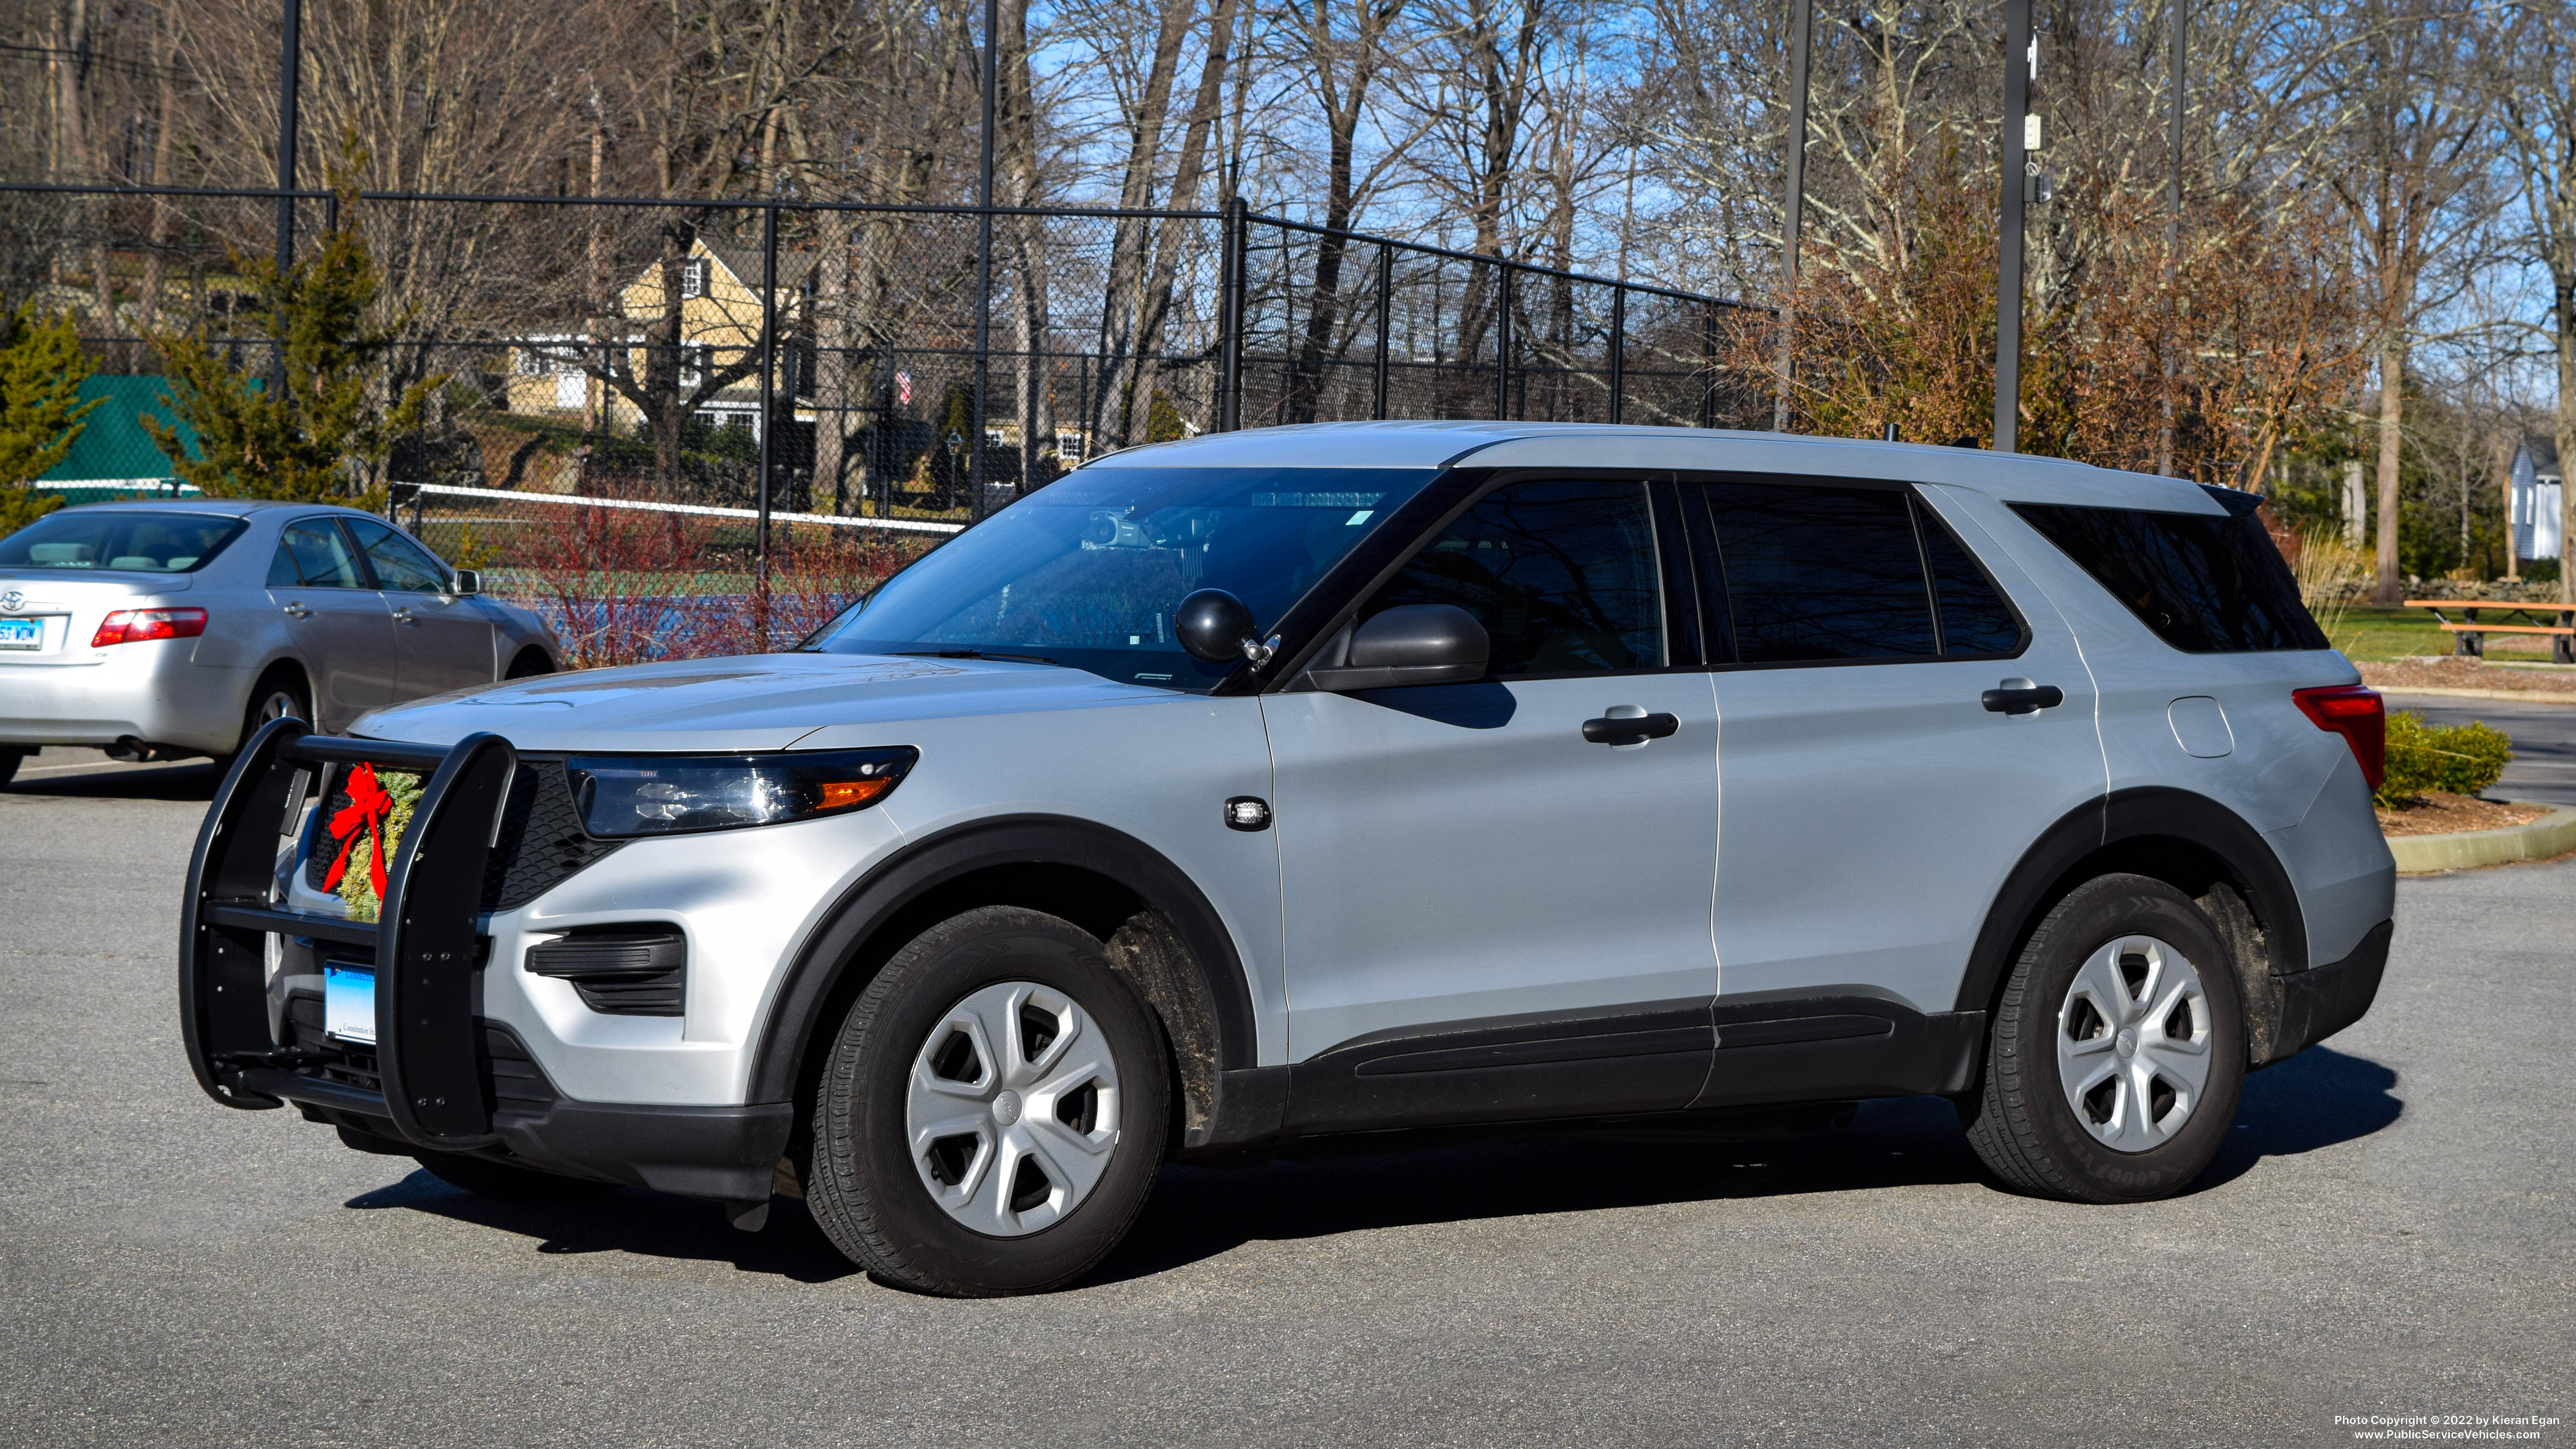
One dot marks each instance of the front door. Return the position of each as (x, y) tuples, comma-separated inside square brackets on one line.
[(445, 641), (1461, 858), (338, 627), (1874, 804)]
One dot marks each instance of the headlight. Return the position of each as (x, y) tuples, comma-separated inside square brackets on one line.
[(624, 795)]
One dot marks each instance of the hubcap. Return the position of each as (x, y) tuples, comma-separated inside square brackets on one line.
[(278, 706), (1012, 1109), (2133, 1043)]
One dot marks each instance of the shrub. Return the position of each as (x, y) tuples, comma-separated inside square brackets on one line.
[(2461, 759)]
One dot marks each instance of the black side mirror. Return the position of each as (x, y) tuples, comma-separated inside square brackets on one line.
[(468, 583), (1215, 626), (1407, 645)]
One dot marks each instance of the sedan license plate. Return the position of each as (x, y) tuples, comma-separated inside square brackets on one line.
[(22, 633), (349, 1002)]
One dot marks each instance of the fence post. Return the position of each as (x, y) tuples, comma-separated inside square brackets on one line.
[(1385, 315), (1229, 404), (768, 418), (1708, 346), (1502, 341), (1618, 353)]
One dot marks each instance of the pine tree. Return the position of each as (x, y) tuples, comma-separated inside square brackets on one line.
[(319, 436), (41, 413)]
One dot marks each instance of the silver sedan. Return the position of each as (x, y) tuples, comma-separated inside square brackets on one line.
[(164, 629)]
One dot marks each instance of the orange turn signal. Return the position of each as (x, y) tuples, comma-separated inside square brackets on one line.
[(842, 794)]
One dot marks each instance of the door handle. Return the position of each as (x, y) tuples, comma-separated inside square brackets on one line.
[(2020, 696), (296, 611), (1630, 729), (402, 616)]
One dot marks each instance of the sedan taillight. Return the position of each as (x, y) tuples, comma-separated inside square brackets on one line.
[(134, 626), (2355, 712)]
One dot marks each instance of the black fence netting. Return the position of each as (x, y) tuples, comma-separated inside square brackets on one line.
[(679, 427)]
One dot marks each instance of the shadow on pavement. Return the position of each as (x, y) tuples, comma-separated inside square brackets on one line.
[(633, 1221), (183, 780), (2318, 1099)]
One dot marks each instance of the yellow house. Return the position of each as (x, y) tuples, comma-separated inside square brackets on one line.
[(719, 306)]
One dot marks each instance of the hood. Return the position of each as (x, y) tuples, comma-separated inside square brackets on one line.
[(749, 702)]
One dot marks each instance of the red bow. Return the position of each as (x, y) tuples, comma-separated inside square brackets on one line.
[(366, 810)]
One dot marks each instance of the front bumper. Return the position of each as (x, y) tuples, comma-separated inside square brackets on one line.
[(442, 1075)]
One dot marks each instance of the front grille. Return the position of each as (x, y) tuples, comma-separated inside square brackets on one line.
[(541, 844), (512, 1080)]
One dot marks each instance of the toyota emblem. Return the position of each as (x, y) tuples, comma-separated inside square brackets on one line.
[(13, 601)]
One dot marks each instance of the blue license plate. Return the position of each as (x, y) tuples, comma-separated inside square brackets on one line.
[(349, 1002), (22, 633)]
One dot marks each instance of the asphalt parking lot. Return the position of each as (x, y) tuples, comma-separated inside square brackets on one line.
[(2389, 1232)]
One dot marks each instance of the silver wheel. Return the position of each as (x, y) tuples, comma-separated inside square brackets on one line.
[(277, 704), (2133, 1043), (1012, 1109)]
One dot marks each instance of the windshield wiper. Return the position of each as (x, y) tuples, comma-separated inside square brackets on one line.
[(972, 654)]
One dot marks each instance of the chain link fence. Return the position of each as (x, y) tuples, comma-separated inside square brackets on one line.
[(692, 427)]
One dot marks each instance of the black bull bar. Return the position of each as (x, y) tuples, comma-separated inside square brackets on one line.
[(425, 942)]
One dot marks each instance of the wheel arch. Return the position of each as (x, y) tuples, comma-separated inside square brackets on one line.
[(1157, 927), (275, 664), (2188, 841)]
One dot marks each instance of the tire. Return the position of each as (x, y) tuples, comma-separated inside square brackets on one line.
[(486, 1178), (529, 664), (2117, 1050), (280, 693), (10, 759), (1010, 1025)]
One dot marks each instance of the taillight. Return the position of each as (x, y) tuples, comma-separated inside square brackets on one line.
[(135, 626), (2355, 712)]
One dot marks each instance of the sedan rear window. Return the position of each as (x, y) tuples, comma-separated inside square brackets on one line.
[(157, 543), (2205, 583)]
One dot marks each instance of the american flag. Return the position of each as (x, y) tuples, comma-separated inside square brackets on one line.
[(903, 387)]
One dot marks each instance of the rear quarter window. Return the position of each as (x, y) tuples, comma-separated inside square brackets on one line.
[(2205, 583)]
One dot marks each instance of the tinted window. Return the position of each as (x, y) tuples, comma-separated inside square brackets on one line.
[(80, 538), (1561, 574), (314, 554), (1974, 617), (400, 564), (2205, 583), (1820, 573), (1086, 571)]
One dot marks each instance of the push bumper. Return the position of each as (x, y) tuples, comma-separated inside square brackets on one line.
[(440, 1077)]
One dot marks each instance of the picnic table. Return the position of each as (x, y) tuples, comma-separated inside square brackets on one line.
[(2471, 631)]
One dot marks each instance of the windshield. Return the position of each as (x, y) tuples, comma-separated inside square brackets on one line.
[(158, 543), (1087, 571)]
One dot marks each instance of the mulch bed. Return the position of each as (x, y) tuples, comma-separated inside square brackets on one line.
[(2458, 673), (2438, 813)]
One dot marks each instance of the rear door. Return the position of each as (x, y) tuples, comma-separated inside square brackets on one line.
[(445, 641), (340, 628), (1873, 803), (1456, 856)]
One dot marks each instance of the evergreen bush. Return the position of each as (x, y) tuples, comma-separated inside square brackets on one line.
[(2459, 759)]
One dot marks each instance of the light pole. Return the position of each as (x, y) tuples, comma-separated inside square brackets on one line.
[(1793, 207), (984, 262), (2021, 61)]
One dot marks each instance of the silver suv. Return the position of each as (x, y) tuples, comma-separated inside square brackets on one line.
[(1335, 779)]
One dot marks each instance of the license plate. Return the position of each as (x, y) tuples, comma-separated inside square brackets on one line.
[(22, 633), (349, 1002)]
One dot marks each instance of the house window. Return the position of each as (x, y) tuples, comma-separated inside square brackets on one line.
[(695, 359), (693, 278)]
